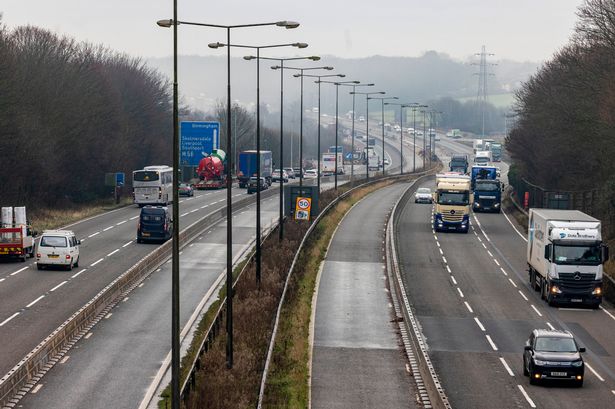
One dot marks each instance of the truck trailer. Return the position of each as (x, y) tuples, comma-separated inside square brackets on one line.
[(16, 236), (565, 256), (247, 166)]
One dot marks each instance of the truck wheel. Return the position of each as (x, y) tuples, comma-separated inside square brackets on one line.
[(543, 289), (39, 266), (23, 257)]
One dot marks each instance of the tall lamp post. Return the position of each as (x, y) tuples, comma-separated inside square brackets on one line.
[(382, 99), (301, 70), (415, 106), (175, 346), (337, 87), (354, 88), (367, 94), (424, 112), (281, 68), (433, 123), (318, 82), (258, 140), (401, 132)]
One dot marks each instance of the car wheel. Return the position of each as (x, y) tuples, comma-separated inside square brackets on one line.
[(525, 371), (39, 266), (69, 267), (416, 201), (139, 241), (77, 263)]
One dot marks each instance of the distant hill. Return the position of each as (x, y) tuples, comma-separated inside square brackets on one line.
[(433, 75)]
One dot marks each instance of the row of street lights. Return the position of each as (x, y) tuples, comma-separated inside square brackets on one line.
[(174, 23)]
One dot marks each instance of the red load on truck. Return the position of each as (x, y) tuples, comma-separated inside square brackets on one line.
[(211, 171)]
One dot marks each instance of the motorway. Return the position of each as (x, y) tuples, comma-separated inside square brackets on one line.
[(476, 309)]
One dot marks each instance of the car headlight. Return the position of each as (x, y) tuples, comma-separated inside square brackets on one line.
[(539, 362), (577, 363)]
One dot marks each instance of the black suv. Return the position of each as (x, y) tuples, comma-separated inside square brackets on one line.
[(552, 354), (155, 224)]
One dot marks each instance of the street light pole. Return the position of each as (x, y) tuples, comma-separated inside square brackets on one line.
[(401, 132), (382, 99), (424, 140), (367, 98), (175, 345)]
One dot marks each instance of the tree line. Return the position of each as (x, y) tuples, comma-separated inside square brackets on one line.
[(565, 114)]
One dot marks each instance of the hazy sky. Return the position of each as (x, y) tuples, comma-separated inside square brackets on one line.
[(516, 29)]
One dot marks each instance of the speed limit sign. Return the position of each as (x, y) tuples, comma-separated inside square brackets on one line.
[(302, 208)]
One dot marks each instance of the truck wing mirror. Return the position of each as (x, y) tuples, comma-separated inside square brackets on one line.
[(582, 349), (78, 242), (605, 254), (528, 347), (548, 252)]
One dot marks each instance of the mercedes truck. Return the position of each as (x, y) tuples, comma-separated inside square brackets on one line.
[(452, 200), (565, 255)]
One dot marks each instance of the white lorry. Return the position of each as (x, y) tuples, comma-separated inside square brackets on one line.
[(477, 145), (565, 255), (327, 164), (373, 162), (482, 158)]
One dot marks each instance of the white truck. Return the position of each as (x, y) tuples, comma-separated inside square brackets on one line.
[(327, 164), (373, 162), (565, 255), (477, 145), (482, 158)]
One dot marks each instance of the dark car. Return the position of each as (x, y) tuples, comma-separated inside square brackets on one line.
[(553, 354), (185, 190), (298, 172), (155, 224), (252, 185)]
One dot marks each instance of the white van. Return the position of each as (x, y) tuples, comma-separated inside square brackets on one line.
[(57, 248)]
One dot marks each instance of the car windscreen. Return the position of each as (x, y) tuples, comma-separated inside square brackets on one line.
[(588, 255), (424, 190), (152, 218), (146, 176), (453, 198), (555, 344), (53, 241)]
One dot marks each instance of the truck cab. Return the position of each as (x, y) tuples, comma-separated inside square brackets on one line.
[(452, 199), (487, 195), (458, 163)]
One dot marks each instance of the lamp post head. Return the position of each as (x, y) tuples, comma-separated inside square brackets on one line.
[(314, 58), (249, 57), (356, 82), (296, 75), (341, 75), (215, 45), (287, 24), (300, 45), (165, 23)]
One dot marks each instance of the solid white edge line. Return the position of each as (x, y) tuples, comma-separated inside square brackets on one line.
[(8, 319), (513, 226), (510, 372), (58, 286), (493, 346), (76, 275), (35, 301), (480, 324), (526, 396), (468, 307), (607, 312), (594, 372), (536, 309), (20, 270), (96, 262)]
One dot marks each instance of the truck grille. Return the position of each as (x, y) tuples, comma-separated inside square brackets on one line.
[(455, 218), (486, 202), (584, 284)]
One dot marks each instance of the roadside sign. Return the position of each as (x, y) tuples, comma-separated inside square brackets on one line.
[(119, 179), (349, 155), (302, 208), (198, 139)]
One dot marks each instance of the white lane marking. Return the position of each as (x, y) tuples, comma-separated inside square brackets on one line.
[(2, 279), (83, 239), (97, 261), (510, 372), (108, 228), (493, 346), (468, 307), (8, 319), (58, 286), (127, 244), (203, 207), (195, 210), (63, 361), (512, 282), (503, 271), (454, 281), (460, 293), (77, 275), (479, 239), (441, 252), (444, 259), (484, 245), (437, 243), (20, 270), (113, 252), (89, 334), (490, 255), (607, 312), (132, 218), (536, 309), (183, 214), (514, 227), (594, 372), (120, 223), (496, 262), (613, 392), (108, 315), (449, 269), (37, 388), (94, 234), (35, 301), (480, 325), (526, 396), (523, 295), (550, 326)]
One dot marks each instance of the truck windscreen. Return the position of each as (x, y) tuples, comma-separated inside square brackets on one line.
[(487, 186), (453, 198), (586, 255)]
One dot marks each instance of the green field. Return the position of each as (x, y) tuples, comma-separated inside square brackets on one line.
[(499, 100)]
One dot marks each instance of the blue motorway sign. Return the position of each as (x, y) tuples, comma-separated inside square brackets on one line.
[(198, 139), (119, 179), (349, 155)]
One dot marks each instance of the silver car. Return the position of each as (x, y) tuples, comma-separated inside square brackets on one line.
[(423, 195)]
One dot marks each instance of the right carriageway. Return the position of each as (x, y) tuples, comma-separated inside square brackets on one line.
[(471, 296)]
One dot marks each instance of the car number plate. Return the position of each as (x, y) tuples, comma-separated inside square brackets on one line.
[(146, 234), (54, 256), (558, 374), (576, 300)]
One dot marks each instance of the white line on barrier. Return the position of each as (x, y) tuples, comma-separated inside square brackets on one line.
[(35, 301)]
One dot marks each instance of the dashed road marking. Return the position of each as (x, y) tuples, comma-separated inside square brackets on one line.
[(460, 292), (127, 244), (19, 271), (550, 326), (523, 295), (493, 346), (536, 309), (8, 319), (510, 372), (480, 325), (468, 307), (120, 223), (526, 396), (496, 262), (58, 286), (97, 261), (77, 275), (453, 280), (113, 252), (108, 228), (35, 301), (448, 269), (503, 271), (132, 218), (94, 234), (512, 282)]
